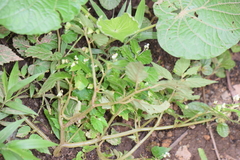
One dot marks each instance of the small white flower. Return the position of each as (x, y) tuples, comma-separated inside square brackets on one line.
[(167, 154), (215, 102), (73, 64), (75, 58), (224, 105), (60, 93), (114, 56), (146, 46), (236, 98), (85, 59)]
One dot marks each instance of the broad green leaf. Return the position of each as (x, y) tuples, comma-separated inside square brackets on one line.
[(198, 82), (4, 32), (7, 131), (48, 41), (139, 16), (153, 75), (119, 27), (236, 48), (43, 54), (86, 22), (181, 66), (17, 105), (163, 72), (151, 108), (223, 129), (51, 81), (193, 108), (135, 72), (37, 17), (7, 55), (192, 71), (69, 36), (39, 66), (114, 141), (197, 29), (98, 10), (109, 4), (23, 131), (30, 144), (202, 154), (136, 49), (85, 94), (159, 152)]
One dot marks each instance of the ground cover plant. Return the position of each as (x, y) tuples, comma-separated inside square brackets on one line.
[(85, 87)]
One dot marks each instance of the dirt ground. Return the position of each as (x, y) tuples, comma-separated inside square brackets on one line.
[(195, 137)]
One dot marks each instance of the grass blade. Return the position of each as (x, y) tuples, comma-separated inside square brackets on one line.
[(98, 10), (140, 12)]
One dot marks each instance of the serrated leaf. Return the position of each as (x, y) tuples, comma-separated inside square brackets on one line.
[(69, 36), (43, 54), (109, 4), (198, 82), (152, 74), (198, 29), (226, 60), (48, 41), (37, 17), (7, 55), (181, 66), (21, 44), (51, 81), (39, 66), (136, 49), (192, 71), (119, 27), (163, 72), (7, 131), (135, 72), (223, 129), (17, 105), (193, 108), (150, 108)]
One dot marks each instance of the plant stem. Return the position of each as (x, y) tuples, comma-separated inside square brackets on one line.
[(89, 142)]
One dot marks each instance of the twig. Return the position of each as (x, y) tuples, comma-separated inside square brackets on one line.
[(230, 88), (210, 130), (179, 139), (213, 140)]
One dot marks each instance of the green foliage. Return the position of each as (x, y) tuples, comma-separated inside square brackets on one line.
[(182, 26), (202, 154), (160, 152)]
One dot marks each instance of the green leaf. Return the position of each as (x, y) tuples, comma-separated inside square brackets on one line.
[(136, 49), (7, 154), (4, 32), (98, 10), (151, 108), (159, 152), (17, 105), (114, 141), (7, 55), (181, 66), (37, 17), (223, 129), (85, 94), (152, 74), (23, 131), (119, 27), (163, 72), (21, 84), (207, 70), (198, 29), (39, 66), (69, 36), (139, 16), (7, 131), (122, 10), (21, 44), (43, 54), (198, 82), (192, 71), (22, 154), (202, 154), (42, 150), (109, 4), (100, 39), (235, 48), (51, 81), (226, 60), (13, 78), (193, 108), (145, 57), (135, 72), (30, 144), (97, 125)]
